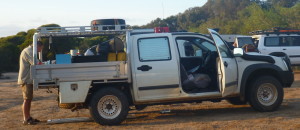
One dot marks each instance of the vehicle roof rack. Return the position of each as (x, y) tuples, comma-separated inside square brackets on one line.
[(277, 31), (87, 31)]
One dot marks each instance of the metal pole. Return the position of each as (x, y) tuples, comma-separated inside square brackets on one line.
[(35, 39)]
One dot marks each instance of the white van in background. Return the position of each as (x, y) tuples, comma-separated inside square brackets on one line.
[(279, 40)]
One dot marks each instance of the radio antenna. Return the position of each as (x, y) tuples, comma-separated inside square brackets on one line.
[(163, 9)]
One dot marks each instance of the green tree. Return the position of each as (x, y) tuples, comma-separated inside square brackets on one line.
[(9, 52), (28, 39), (9, 57), (290, 15), (284, 3), (256, 18)]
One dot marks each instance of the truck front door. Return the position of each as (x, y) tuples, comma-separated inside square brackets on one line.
[(227, 67), (155, 68)]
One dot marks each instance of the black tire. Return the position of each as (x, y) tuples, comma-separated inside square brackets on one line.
[(236, 101), (109, 106), (266, 94)]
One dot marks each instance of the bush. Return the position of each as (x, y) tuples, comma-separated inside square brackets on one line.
[(9, 57)]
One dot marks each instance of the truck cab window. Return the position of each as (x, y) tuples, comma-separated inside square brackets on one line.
[(193, 47), (209, 46), (188, 49), (154, 49), (224, 50)]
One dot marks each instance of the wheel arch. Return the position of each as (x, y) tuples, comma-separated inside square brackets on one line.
[(253, 71)]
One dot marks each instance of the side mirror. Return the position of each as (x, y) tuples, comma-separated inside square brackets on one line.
[(238, 52)]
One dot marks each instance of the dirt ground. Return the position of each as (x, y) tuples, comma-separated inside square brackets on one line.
[(206, 115)]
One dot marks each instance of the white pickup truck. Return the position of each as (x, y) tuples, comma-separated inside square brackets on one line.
[(163, 68)]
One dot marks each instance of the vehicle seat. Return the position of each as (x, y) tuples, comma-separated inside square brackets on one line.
[(191, 82), (102, 50), (210, 62), (188, 48)]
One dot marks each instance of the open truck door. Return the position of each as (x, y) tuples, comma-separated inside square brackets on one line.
[(227, 66)]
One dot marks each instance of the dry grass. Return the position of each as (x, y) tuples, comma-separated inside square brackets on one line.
[(206, 115)]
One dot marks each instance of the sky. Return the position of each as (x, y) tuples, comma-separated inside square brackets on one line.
[(22, 15)]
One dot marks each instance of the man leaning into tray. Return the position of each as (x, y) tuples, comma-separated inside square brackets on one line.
[(24, 80)]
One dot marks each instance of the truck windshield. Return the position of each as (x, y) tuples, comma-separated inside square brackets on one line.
[(193, 46)]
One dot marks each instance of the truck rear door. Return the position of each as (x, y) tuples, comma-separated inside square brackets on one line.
[(154, 67)]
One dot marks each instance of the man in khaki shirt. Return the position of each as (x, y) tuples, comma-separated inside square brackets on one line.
[(26, 60)]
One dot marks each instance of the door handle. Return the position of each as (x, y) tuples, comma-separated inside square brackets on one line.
[(283, 49), (225, 64), (144, 68)]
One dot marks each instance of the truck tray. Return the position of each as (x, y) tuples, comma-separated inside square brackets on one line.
[(95, 71)]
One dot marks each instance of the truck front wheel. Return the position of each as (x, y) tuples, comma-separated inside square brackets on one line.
[(109, 106), (266, 94)]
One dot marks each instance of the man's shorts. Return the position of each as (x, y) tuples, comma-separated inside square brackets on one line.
[(27, 90)]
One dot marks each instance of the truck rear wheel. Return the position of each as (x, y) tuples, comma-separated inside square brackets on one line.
[(109, 106), (266, 94)]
